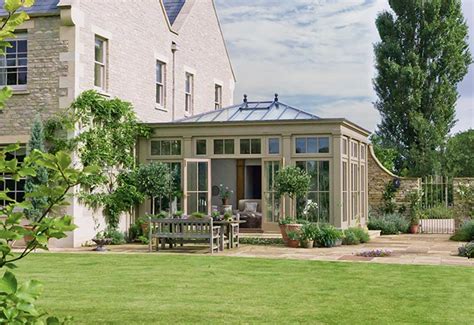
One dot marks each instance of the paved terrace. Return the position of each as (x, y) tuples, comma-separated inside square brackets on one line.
[(407, 249)]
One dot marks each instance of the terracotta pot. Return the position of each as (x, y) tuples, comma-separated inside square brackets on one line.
[(28, 238), (414, 229), (145, 228), (224, 201), (284, 236), (293, 243)]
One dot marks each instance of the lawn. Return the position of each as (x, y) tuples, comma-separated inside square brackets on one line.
[(162, 288)]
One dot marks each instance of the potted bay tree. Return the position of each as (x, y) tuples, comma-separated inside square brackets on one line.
[(292, 182)]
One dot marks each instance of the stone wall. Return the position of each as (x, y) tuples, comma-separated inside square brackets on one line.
[(44, 70), (379, 177)]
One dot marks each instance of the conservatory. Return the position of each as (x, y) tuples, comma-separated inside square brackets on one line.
[(239, 150)]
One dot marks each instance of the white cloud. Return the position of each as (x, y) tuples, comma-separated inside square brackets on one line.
[(306, 50)]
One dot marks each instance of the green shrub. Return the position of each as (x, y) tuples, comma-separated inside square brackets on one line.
[(355, 236), (389, 224), (467, 250), (465, 232), (438, 212), (143, 239), (134, 232), (118, 238), (198, 215), (286, 221), (309, 231), (350, 238), (327, 235)]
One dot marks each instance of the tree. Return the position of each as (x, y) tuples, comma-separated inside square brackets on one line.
[(109, 130), (293, 182), (41, 177), (155, 180), (459, 156), (422, 56), (17, 301)]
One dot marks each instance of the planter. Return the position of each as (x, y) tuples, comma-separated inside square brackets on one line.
[(307, 243), (293, 243), (284, 236), (144, 227), (288, 227), (414, 229), (225, 201), (101, 242), (338, 242), (226, 208), (28, 238)]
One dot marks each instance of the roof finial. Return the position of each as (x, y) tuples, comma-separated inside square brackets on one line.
[(245, 98), (276, 97)]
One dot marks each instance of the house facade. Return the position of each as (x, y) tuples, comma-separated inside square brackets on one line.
[(243, 146), (167, 57)]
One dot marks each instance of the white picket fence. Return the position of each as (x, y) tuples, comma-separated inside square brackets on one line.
[(437, 226)]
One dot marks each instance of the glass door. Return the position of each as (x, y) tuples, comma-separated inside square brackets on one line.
[(197, 195), (272, 203)]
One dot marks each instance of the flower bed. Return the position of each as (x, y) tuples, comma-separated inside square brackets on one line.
[(375, 253)]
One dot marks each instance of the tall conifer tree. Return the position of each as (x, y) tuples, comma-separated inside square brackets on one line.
[(422, 56)]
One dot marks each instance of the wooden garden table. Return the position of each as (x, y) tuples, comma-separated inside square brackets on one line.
[(226, 231)]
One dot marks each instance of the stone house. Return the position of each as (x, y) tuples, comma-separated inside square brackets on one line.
[(167, 57)]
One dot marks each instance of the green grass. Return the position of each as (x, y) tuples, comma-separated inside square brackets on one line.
[(157, 288)]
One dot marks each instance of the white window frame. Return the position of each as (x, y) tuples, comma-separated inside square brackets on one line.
[(189, 92), (4, 63), (217, 96), (103, 65), (160, 100)]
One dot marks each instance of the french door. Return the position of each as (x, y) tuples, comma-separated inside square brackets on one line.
[(271, 202), (197, 184)]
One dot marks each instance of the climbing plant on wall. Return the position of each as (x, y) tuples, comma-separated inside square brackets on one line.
[(107, 131)]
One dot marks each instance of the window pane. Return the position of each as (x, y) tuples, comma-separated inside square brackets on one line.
[(12, 79), (300, 145), (273, 146), (98, 82), (218, 147), (244, 146), (201, 147), (22, 78), (202, 202), (229, 146), (312, 145), (312, 170), (324, 175), (256, 146), (323, 144), (301, 165), (176, 147), (159, 72), (202, 176), (165, 148), (22, 46), (192, 178), (99, 50), (158, 94)]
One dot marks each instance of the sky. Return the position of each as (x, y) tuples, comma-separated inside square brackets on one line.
[(317, 55)]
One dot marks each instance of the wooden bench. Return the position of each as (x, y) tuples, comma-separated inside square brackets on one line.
[(184, 230)]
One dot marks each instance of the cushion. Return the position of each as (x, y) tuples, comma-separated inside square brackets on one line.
[(251, 206)]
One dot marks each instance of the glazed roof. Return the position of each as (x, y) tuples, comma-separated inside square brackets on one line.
[(252, 111)]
